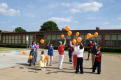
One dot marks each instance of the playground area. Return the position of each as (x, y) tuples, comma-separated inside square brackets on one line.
[(14, 66)]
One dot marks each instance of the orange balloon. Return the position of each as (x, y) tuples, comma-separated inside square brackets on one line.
[(30, 57), (95, 34), (62, 36), (67, 28), (42, 41), (69, 33), (74, 41), (92, 36), (79, 39), (47, 58), (77, 33), (24, 52), (89, 35)]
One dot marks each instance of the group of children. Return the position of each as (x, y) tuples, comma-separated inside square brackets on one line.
[(76, 50)]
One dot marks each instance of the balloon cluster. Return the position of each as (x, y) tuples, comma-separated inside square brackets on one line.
[(89, 35), (69, 33), (78, 39)]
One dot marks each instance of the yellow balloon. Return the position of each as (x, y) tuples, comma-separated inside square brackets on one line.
[(77, 33), (67, 28), (69, 33)]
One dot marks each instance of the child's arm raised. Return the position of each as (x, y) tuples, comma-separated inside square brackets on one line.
[(64, 41)]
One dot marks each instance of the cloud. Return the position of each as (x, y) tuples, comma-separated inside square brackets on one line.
[(83, 7), (66, 4), (5, 10), (119, 18), (60, 19)]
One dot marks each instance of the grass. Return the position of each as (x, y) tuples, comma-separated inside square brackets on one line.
[(108, 52), (7, 49), (112, 53)]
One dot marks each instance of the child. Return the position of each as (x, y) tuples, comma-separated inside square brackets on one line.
[(70, 51), (50, 53), (76, 48), (97, 63), (79, 53), (42, 61)]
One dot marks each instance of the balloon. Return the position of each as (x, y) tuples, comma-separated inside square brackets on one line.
[(92, 36), (23, 52), (42, 41), (47, 58), (67, 28), (79, 39), (69, 33), (95, 34), (89, 35), (30, 57), (77, 33), (74, 41), (62, 36)]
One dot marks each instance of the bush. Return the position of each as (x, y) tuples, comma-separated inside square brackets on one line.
[(14, 45), (109, 49)]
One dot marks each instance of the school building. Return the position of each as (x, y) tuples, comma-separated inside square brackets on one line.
[(106, 38)]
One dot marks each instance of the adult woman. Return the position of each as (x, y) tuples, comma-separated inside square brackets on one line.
[(32, 61), (61, 53)]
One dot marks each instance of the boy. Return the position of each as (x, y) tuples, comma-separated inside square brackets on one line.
[(97, 63)]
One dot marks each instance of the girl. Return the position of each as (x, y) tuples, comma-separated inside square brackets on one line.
[(50, 53), (42, 61), (80, 59), (70, 51), (76, 48)]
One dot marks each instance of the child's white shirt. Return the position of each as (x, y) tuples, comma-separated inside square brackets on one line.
[(80, 52)]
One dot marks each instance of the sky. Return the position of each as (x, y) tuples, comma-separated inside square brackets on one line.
[(78, 14)]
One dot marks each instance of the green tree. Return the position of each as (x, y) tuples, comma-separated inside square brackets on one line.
[(20, 29), (49, 25)]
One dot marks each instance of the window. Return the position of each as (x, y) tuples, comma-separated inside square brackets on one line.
[(107, 37), (119, 37), (49, 37), (114, 37), (58, 37), (99, 37), (54, 37), (68, 37)]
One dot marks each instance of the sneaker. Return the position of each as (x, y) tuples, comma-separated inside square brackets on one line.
[(98, 73), (76, 72), (81, 72)]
